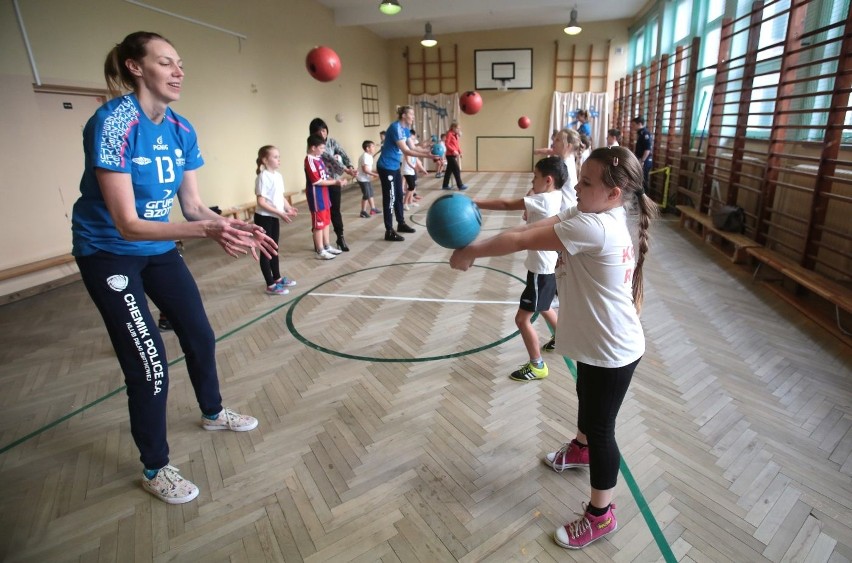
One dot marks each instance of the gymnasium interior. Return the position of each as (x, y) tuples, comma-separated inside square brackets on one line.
[(389, 430)]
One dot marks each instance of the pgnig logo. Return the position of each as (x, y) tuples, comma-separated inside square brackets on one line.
[(117, 282)]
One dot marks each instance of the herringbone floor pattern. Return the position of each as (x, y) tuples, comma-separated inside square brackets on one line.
[(390, 432)]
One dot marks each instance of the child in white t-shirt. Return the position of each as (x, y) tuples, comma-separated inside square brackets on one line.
[(543, 200), (364, 178), (271, 206), (411, 167)]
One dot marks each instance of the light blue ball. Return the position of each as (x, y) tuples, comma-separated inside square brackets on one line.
[(453, 221)]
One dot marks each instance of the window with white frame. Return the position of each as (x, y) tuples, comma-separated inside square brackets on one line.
[(683, 20), (673, 23)]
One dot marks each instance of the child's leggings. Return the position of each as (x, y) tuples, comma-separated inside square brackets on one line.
[(600, 392)]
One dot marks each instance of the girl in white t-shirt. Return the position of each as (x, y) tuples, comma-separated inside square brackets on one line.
[(564, 144), (411, 167), (599, 277), (271, 206)]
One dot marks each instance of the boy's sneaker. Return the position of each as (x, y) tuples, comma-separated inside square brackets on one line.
[(323, 255), (392, 236), (569, 456), (586, 529), (551, 345), (406, 207), (463, 187), (332, 250), (404, 228), (285, 282), (230, 420), (375, 211), (168, 486), (365, 215), (276, 289), (165, 324), (529, 372)]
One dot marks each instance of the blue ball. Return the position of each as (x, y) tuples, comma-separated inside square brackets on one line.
[(453, 221)]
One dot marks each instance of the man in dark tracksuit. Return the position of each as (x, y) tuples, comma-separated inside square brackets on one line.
[(644, 146)]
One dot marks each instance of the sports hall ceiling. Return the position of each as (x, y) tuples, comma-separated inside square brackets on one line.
[(455, 16)]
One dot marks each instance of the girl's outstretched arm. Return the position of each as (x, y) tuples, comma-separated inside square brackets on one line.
[(535, 236)]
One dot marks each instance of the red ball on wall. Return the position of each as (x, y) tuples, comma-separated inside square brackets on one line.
[(523, 122), (323, 63), (470, 102)]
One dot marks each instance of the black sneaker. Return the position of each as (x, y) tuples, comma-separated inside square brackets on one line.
[(164, 324), (404, 228), (551, 345), (341, 244), (392, 236)]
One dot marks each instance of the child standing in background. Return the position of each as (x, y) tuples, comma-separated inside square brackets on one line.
[(271, 206), (411, 166), (582, 123), (316, 190), (544, 201), (585, 148), (439, 149), (564, 144), (453, 156), (613, 137), (364, 178)]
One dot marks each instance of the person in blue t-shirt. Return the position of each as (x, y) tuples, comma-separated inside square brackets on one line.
[(394, 147), (582, 123), (139, 157)]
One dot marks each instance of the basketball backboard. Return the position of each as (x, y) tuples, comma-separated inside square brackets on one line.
[(503, 69)]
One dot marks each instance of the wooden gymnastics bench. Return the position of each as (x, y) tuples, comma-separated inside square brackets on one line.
[(724, 241), (244, 212), (835, 293), (32, 267)]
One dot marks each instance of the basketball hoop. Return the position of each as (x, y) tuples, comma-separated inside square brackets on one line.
[(504, 84)]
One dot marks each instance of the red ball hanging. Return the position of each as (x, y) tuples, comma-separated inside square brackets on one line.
[(470, 102), (323, 63)]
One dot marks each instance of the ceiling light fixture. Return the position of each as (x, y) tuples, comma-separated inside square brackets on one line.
[(390, 7), (428, 39), (573, 28)]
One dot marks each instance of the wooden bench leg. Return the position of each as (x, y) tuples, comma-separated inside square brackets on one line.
[(839, 322)]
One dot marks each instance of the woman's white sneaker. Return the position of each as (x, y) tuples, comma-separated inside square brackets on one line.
[(168, 486), (230, 420)]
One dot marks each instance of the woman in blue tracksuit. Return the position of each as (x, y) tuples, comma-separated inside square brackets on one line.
[(139, 156)]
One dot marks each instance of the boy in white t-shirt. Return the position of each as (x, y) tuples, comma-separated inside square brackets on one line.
[(364, 176), (544, 200)]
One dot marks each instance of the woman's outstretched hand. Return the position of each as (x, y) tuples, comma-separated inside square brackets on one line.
[(238, 238)]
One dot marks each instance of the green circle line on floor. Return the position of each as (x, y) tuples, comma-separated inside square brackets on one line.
[(295, 332)]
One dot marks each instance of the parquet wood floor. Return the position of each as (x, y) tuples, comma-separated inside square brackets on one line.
[(390, 432)]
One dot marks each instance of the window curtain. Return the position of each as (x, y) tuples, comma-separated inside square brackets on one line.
[(563, 113), (433, 114)]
